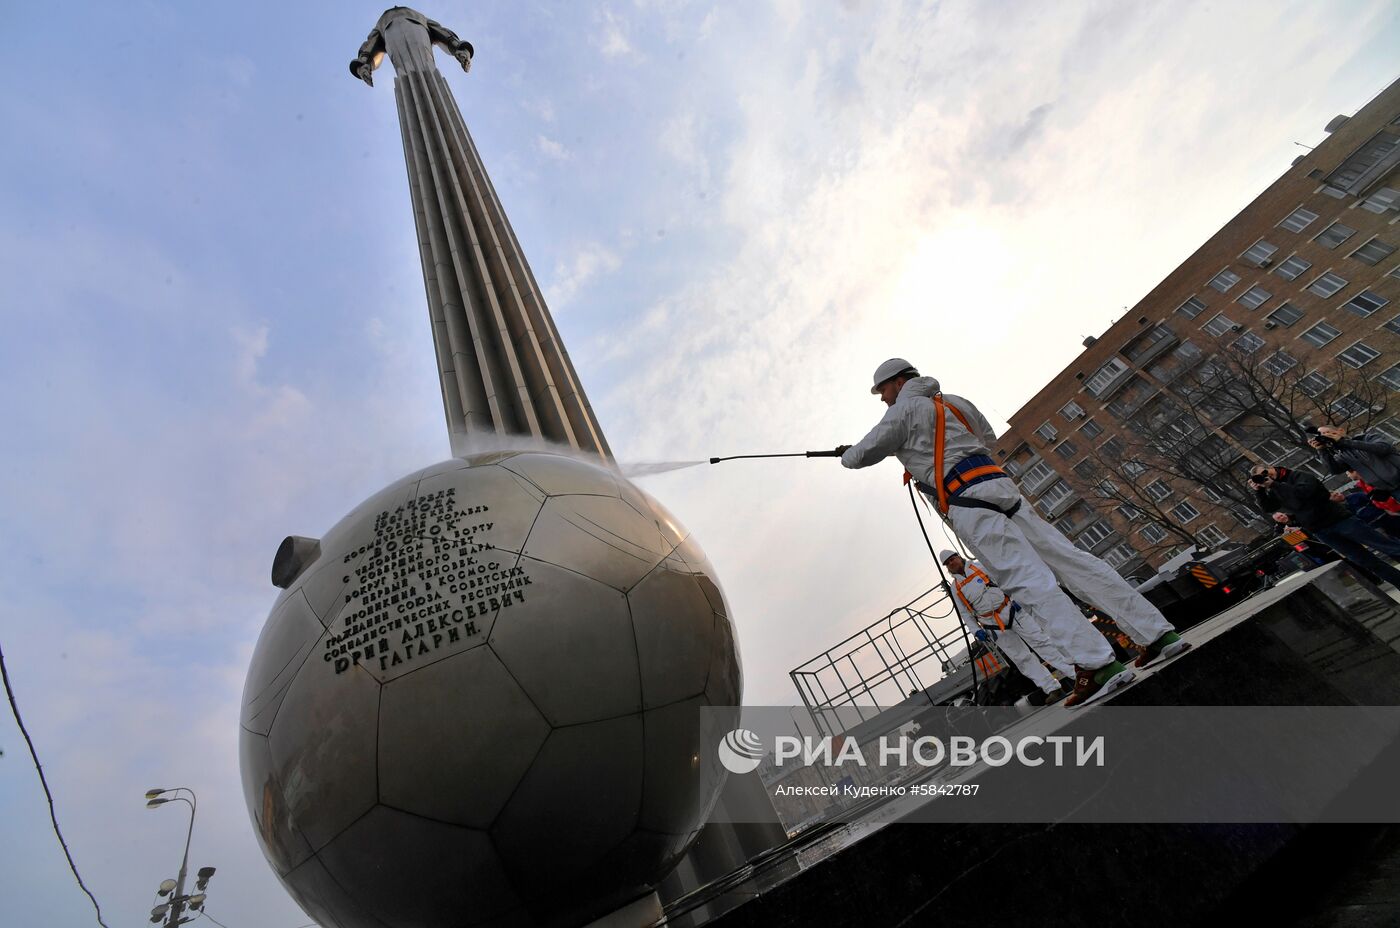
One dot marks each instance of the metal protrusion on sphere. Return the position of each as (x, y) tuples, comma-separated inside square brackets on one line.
[(294, 555)]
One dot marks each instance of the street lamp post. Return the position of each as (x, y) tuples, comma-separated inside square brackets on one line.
[(178, 899)]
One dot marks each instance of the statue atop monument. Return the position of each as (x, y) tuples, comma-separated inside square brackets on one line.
[(372, 52)]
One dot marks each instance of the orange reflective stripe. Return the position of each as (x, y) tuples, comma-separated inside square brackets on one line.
[(971, 475), (938, 420), (938, 425), (975, 572)]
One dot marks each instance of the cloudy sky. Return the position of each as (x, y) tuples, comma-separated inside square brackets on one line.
[(215, 329)]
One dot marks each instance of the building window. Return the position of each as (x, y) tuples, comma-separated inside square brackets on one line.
[(1047, 431), (1133, 468), (1259, 253), (1390, 377), (1086, 469), (1382, 200), (1119, 554), (1328, 284), (1314, 383), (1298, 220), (1292, 267), (1056, 493), (1248, 343), (1390, 428), (1066, 449), (1219, 324), (1158, 490), (1246, 517), (1112, 449), (1348, 407), (1091, 429), (1359, 355), (1193, 307), (1365, 303), (1105, 489), (1224, 280), (1367, 164), (1071, 411), (1184, 512), (1285, 315), (1105, 376), (1212, 536), (1253, 298), (1280, 362), (1153, 534), (1129, 512), (1393, 325), (1373, 252), (1320, 334), (1334, 235), (1037, 474), (1273, 450), (1094, 534), (1148, 343)]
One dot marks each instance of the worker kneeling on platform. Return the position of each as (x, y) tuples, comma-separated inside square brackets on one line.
[(944, 443), (996, 619)]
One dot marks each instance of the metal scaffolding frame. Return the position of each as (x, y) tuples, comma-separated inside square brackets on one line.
[(881, 665)]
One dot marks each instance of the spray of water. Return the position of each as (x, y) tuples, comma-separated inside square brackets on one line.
[(644, 468)]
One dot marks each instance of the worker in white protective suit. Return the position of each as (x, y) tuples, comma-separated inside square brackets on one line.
[(995, 618), (944, 443)]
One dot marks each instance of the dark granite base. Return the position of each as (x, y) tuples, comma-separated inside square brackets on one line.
[(1329, 642)]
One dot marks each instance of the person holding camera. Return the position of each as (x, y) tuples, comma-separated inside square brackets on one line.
[(1377, 462), (1293, 498)]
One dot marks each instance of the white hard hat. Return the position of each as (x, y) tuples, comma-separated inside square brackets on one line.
[(945, 554), (891, 369)]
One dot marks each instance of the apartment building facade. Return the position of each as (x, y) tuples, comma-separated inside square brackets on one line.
[(1302, 288)]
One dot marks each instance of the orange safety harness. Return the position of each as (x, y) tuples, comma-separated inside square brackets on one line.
[(976, 573)]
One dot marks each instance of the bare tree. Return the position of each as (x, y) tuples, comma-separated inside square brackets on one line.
[(1218, 415)]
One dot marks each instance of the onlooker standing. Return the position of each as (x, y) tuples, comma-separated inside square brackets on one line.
[(1375, 461), (1290, 497), (1372, 506)]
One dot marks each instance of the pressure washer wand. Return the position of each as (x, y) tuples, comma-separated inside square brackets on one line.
[(834, 453)]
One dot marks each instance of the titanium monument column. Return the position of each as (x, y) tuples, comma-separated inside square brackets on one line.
[(478, 699), (502, 365)]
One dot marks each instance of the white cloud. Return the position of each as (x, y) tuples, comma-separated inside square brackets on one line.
[(588, 262), (611, 38), (551, 148)]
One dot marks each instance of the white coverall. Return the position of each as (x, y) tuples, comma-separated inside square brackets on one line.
[(986, 601), (1024, 554)]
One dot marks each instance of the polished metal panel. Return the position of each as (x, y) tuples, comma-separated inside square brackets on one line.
[(409, 871), (572, 635), (511, 503), (724, 686), (670, 526), (580, 797), (283, 846), (683, 774), (674, 623), (324, 585), (558, 475), (473, 732), (287, 639), (323, 749), (324, 899), (598, 536)]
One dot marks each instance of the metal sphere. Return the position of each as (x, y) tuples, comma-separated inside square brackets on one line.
[(479, 702)]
